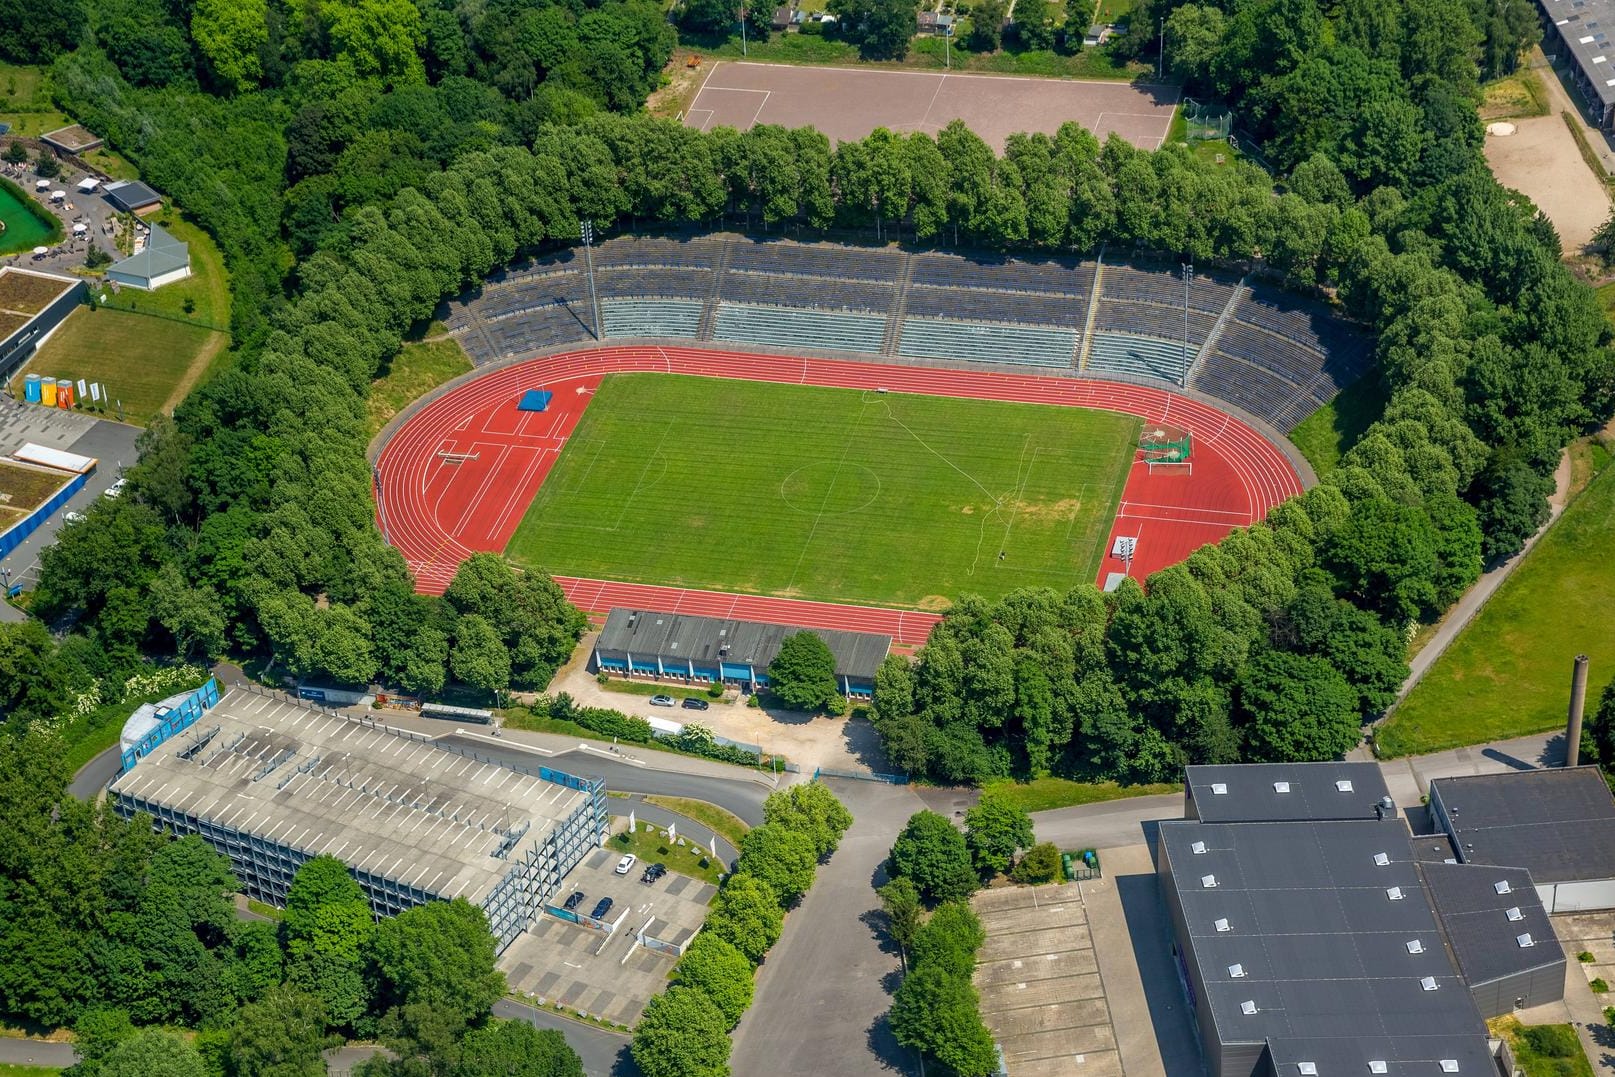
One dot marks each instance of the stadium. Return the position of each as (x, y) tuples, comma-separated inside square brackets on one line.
[(1172, 392)]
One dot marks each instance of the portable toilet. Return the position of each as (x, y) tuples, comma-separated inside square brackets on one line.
[(64, 393), (47, 392), (30, 388)]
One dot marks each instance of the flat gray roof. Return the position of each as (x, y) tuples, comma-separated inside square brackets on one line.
[(130, 195), (1484, 920), (1316, 960), (1583, 27), (677, 636), (1557, 823), (376, 799), (161, 254), (1275, 792)]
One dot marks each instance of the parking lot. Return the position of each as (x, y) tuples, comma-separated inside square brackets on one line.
[(609, 976), (1041, 992)]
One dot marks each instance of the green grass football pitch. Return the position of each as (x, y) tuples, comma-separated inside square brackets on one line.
[(831, 494)]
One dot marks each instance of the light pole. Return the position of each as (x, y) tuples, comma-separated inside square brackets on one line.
[(743, 32), (947, 46), (586, 229), (1188, 277)]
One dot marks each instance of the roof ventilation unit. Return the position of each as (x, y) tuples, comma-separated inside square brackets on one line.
[(1208, 881), (1248, 1007), (1394, 893), (1415, 946), (1281, 787), (1378, 1066), (1307, 1069), (1513, 913), (1198, 848), (1429, 983), (1382, 859), (1449, 1065), (1221, 924), (1525, 940), (1237, 971), (1219, 789), (1343, 785), (1502, 887)]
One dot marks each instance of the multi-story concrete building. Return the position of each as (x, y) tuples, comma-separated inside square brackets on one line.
[(272, 784)]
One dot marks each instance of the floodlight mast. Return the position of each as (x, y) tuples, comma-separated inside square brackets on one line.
[(1188, 278), (586, 230)]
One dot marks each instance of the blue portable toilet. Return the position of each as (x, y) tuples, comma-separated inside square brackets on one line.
[(30, 388)]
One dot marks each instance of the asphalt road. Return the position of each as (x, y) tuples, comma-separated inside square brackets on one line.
[(604, 1053), (744, 798), (20, 1052)]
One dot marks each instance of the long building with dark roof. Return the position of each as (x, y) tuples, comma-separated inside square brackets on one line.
[(700, 650), (1577, 31), (1314, 937)]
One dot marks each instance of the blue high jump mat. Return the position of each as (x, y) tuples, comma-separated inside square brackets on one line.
[(535, 400)]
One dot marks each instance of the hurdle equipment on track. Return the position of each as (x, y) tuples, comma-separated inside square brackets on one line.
[(1160, 445), (450, 457)]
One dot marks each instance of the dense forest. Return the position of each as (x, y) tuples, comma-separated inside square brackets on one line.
[(359, 161)]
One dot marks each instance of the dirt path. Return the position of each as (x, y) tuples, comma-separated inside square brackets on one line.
[(216, 343)]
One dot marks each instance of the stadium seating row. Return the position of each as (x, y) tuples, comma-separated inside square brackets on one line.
[(651, 317), (1141, 357), (622, 281), (930, 338), (813, 292), (1152, 320), (1001, 274), (1069, 311), (697, 253), (817, 260), (1124, 283), (786, 327)]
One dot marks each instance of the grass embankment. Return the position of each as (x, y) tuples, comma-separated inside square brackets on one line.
[(416, 370), (1324, 436), (721, 821), (1508, 673), (652, 848), (808, 492), (1543, 1050), (926, 53), (1514, 97), (26, 105), (9, 1070), (1044, 794)]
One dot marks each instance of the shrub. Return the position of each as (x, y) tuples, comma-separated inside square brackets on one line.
[(1599, 986), (1609, 1016), (602, 677), (1041, 864), (1585, 957), (1551, 1041), (715, 689)]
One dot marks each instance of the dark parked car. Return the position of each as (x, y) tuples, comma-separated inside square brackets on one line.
[(600, 909), (661, 701), (575, 900), (653, 872), (692, 704)]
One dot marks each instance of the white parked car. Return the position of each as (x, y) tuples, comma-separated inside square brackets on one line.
[(116, 488), (73, 517), (626, 864)]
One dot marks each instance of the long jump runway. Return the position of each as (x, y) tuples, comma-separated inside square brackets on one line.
[(456, 477), (848, 103)]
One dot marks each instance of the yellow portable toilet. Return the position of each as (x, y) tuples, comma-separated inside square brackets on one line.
[(47, 392)]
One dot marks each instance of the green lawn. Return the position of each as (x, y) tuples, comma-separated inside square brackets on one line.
[(1543, 1050), (830, 494), (25, 104), (203, 298), (651, 688), (652, 848), (1508, 673), (9, 1070), (143, 360), (1324, 436), (416, 370), (1044, 794), (721, 821)]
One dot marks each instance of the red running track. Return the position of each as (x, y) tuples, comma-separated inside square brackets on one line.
[(458, 475)]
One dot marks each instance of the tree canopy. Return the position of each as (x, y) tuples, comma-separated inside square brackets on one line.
[(803, 674)]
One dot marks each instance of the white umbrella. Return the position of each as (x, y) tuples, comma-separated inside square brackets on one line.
[(41, 250), (42, 185), (57, 196), (81, 227)]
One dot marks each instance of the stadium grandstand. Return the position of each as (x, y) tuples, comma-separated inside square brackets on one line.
[(1272, 354)]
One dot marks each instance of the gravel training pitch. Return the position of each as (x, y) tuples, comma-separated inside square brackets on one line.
[(848, 103)]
